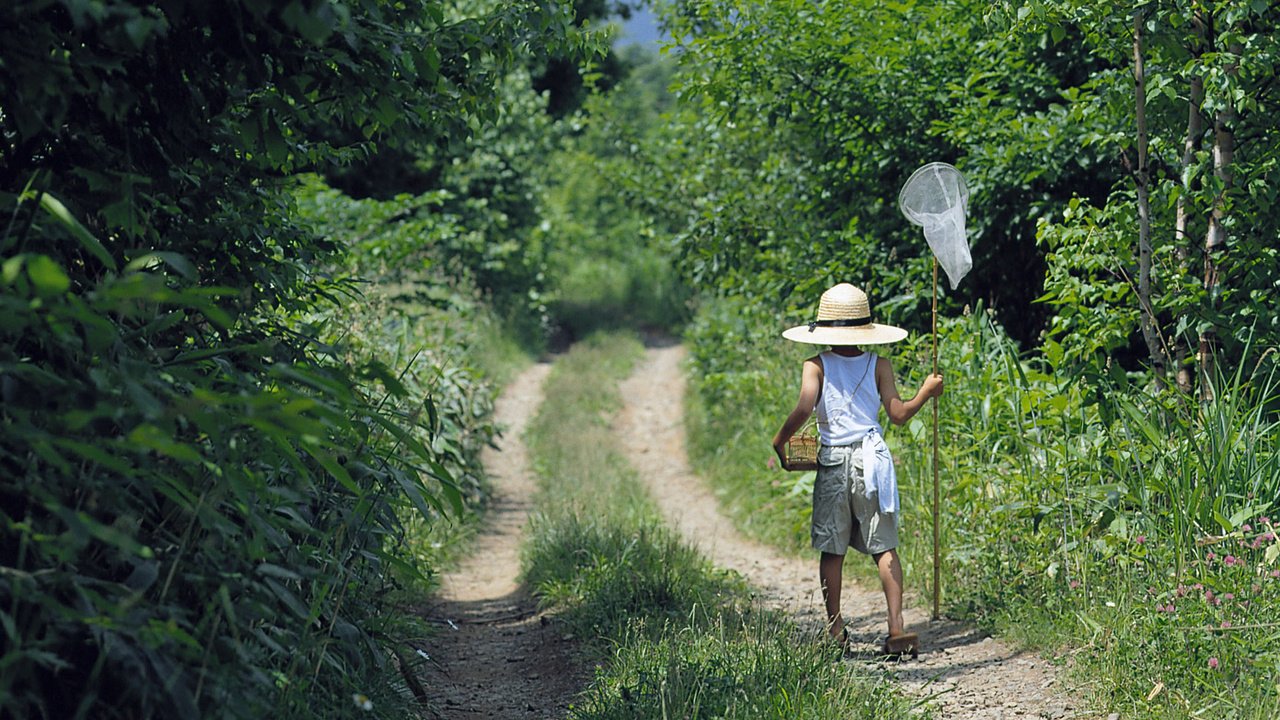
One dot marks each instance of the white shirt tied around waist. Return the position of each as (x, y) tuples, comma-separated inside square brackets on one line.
[(878, 473)]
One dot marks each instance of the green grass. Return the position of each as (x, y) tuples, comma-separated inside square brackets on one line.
[(671, 635), (1075, 512)]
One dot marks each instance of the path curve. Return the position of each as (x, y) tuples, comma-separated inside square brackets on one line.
[(495, 656), (961, 672)]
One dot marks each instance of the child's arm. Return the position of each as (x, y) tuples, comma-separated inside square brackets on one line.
[(900, 410), (810, 387)]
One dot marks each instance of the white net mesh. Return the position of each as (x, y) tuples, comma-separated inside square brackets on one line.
[(937, 198)]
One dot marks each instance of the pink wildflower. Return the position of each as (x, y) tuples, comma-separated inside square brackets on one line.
[(1229, 596), (1229, 560), (1268, 536), (1213, 663), (1226, 624), (1264, 520), (1275, 573), (1074, 584), (1140, 539), (1210, 556)]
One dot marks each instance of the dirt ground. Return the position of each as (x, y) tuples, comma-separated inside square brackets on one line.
[(496, 657)]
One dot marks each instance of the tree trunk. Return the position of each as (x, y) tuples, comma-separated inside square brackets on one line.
[(1147, 318), (1184, 246), (1215, 240)]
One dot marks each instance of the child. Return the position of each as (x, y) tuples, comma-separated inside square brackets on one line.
[(855, 496)]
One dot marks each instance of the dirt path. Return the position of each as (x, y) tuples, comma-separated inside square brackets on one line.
[(961, 672), (495, 657)]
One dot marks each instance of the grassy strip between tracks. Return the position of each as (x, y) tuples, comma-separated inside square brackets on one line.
[(671, 635)]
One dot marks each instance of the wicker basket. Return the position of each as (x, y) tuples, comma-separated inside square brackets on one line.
[(802, 449)]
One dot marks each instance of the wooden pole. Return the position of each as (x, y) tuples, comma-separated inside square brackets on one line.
[(937, 565)]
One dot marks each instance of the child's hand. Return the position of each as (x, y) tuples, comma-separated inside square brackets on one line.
[(932, 386), (778, 450)]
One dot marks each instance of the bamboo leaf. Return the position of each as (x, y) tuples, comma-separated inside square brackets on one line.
[(90, 243), (47, 276), (176, 261)]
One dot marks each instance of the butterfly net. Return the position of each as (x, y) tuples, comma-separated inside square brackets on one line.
[(936, 198)]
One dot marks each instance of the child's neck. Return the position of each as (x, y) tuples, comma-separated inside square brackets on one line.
[(846, 350)]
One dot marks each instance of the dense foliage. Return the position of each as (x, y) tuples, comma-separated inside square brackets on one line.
[(210, 438), (798, 124)]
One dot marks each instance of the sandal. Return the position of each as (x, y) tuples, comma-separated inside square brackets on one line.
[(897, 646)]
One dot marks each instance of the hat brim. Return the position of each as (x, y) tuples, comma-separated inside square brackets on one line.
[(872, 334)]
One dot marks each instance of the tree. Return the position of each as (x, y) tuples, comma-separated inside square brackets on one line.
[(1202, 60)]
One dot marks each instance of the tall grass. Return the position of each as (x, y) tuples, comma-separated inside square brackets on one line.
[(674, 637)]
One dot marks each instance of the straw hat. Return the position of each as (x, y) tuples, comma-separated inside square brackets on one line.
[(844, 318)]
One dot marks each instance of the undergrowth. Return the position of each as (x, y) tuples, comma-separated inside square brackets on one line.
[(673, 636)]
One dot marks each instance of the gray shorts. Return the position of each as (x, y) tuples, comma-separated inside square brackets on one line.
[(844, 515)]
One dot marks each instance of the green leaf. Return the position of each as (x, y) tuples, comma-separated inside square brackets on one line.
[(176, 261), (95, 454), (330, 464), (150, 437), (47, 276), (12, 268), (290, 599), (393, 559), (82, 523), (278, 572), (90, 243), (413, 490)]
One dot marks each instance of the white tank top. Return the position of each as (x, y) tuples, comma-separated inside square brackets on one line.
[(850, 402)]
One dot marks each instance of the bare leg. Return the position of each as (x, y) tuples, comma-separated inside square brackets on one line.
[(830, 571), (891, 580)]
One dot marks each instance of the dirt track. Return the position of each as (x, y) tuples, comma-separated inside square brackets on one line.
[(497, 658), (963, 673)]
